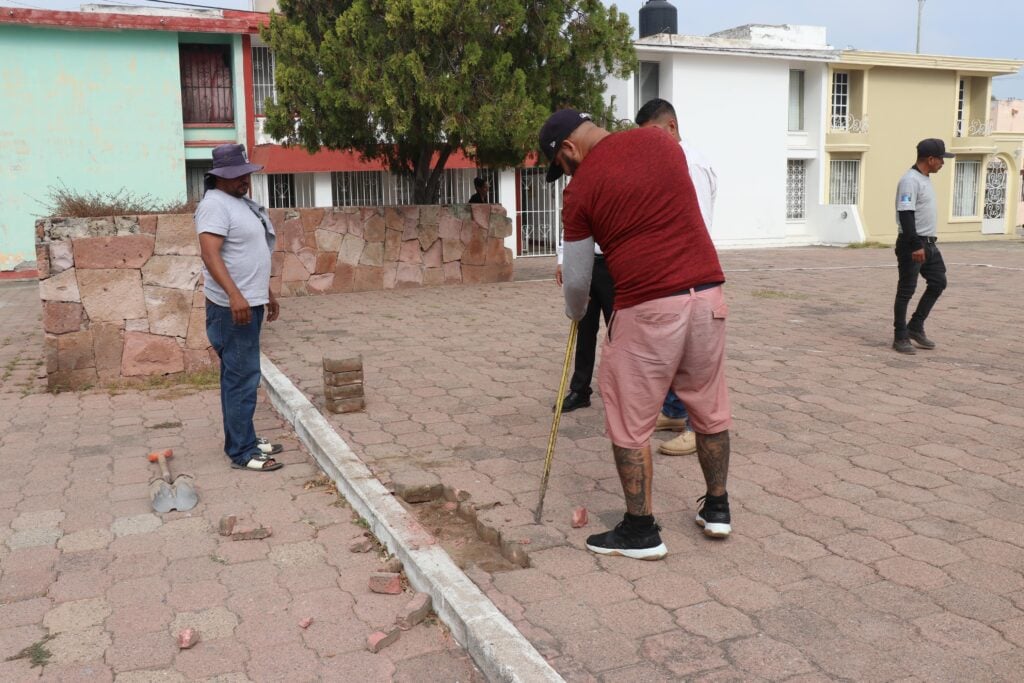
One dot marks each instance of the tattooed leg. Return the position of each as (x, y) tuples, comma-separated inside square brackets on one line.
[(636, 473), (713, 453)]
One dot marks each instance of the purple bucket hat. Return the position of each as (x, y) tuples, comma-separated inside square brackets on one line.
[(229, 162)]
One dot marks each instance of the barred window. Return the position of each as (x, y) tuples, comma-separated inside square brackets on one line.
[(357, 188), (290, 190), (961, 97), (844, 181), (264, 87), (195, 176), (796, 189), (206, 95), (966, 183)]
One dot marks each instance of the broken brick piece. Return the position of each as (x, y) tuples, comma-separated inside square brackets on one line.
[(252, 534), (451, 506), (414, 612), (392, 564), (378, 640), (388, 583), (306, 622), (361, 545), (579, 518), (187, 638), (227, 525)]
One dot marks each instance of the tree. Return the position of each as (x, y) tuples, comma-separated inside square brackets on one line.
[(411, 81)]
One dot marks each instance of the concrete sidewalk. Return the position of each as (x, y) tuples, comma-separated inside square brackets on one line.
[(877, 499), (97, 585)]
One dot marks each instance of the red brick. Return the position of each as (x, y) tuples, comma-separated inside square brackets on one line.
[(414, 612), (378, 640), (388, 583)]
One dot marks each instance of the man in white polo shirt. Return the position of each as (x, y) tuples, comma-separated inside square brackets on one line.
[(661, 113), (236, 239), (916, 250)]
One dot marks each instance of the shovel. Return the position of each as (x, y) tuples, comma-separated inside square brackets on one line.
[(167, 495)]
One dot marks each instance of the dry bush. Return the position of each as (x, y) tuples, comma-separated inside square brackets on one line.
[(63, 201)]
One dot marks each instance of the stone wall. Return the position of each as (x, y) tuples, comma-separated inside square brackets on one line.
[(122, 296)]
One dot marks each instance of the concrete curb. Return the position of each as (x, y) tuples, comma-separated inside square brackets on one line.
[(497, 647)]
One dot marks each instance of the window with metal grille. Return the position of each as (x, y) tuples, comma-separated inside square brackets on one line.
[(194, 178), (796, 100), (457, 185), (844, 181), (540, 213), (840, 100), (966, 184), (206, 95), (647, 77), (290, 190), (357, 188), (961, 96), (263, 85), (796, 189)]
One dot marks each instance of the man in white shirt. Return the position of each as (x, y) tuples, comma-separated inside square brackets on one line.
[(661, 113)]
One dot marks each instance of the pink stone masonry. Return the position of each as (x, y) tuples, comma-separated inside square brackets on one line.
[(122, 296)]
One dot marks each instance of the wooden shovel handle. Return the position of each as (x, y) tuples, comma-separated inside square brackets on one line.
[(160, 457)]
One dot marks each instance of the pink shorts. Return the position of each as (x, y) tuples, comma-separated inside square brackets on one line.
[(677, 342)]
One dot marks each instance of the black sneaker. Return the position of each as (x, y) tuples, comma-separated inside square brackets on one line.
[(904, 346), (635, 536), (921, 339), (574, 400), (713, 515)]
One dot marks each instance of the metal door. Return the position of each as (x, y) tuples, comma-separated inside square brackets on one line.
[(993, 221)]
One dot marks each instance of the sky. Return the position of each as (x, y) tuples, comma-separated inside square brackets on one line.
[(949, 27)]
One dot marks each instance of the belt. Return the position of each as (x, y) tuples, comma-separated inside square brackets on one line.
[(698, 288), (924, 238)]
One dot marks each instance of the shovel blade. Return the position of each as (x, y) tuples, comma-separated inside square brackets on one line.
[(185, 496), (162, 495)]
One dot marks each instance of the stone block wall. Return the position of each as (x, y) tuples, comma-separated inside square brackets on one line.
[(122, 296)]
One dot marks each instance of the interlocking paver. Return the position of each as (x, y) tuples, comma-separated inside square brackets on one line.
[(84, 559), (877, 499)]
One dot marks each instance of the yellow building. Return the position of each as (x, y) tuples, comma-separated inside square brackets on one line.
[(882, 103)]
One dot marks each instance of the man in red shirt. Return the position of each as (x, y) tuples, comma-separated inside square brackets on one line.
[(631, 193)]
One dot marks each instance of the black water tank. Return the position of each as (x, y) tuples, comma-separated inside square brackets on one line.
[(657, 16)]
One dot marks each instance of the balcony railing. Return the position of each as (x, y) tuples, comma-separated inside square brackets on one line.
[(845, 123), (974, 128)]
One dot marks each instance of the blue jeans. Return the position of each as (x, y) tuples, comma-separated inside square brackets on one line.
[(673, 407), (238, 347)]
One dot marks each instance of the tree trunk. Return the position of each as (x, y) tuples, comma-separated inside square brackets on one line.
[(428, 178)]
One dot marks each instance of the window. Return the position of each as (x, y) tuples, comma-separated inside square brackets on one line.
[(796, 189), (194, 178), (966, 180), (647, 83), (844, 181), (206, 84), (263, 85), (796, 100), (357, 188), (840, 100), (290, 190), (961, 97), (457, 185)]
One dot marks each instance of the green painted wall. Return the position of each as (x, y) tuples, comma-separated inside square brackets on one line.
[(95, 110)]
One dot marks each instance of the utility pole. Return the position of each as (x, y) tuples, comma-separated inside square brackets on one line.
[(920, 11)]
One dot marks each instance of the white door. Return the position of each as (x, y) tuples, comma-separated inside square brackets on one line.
[(993, 221)]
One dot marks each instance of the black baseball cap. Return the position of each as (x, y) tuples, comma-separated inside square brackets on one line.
[(933, 147), (553, 133)]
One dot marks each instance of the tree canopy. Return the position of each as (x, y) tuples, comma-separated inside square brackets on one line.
[(411, 81)]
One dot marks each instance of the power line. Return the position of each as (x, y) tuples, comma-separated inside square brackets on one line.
[(188, 4)]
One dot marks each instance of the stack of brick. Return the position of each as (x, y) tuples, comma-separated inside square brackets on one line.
[(343, 384)]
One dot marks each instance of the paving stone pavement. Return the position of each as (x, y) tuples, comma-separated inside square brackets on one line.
[(88, 570), (878, 500)]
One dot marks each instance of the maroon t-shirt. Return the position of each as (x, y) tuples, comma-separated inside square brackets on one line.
[(633, 194)]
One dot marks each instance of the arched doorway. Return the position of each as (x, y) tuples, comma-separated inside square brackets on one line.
[(993, 220)]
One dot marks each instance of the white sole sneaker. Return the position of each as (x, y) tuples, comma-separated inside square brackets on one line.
[(656, 553), (714, 529)]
